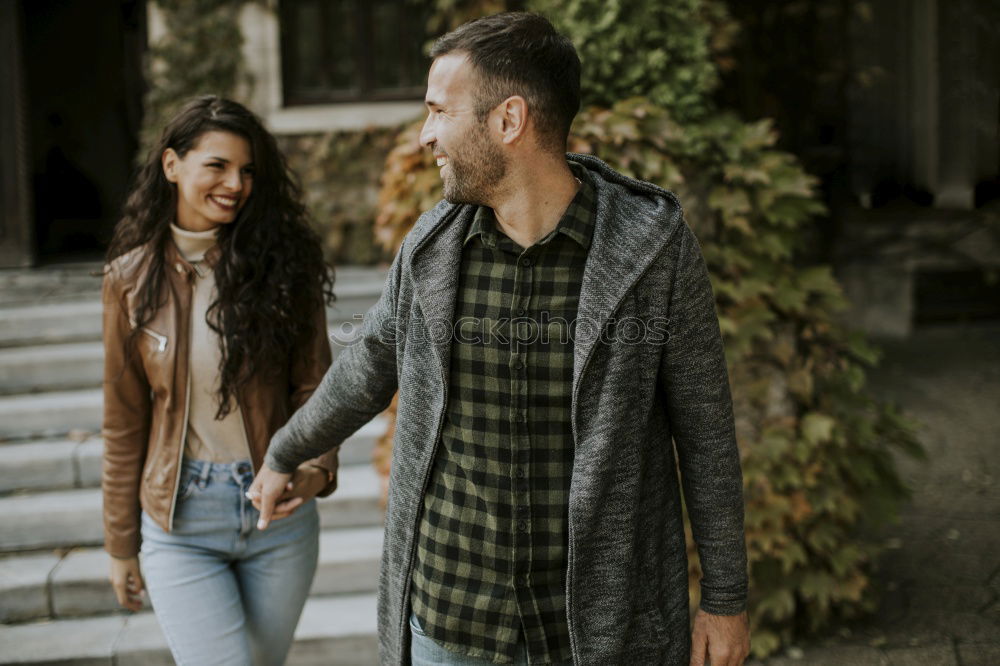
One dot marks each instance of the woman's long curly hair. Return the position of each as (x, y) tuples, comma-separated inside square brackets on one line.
[(270, 276)]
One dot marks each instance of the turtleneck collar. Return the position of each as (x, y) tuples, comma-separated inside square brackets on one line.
[(193, 244)]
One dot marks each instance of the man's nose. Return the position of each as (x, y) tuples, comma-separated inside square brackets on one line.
[(427, 133)]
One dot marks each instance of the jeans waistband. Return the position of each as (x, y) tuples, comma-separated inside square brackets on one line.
[(206, 470)]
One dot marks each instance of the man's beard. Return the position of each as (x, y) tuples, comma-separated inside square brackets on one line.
[(476, 169)]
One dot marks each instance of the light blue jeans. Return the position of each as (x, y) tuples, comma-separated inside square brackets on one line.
[(425, 651), (223, 591)]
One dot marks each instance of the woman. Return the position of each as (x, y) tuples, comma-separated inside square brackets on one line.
[(214, 333)]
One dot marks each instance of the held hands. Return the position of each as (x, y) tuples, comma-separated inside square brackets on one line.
[(278, 495), (126, 580), (720, 640)]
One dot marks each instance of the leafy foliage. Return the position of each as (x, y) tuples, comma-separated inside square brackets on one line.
[(200, 53), (660, 50), (339, 172)]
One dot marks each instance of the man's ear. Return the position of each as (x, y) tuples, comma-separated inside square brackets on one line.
[(169, 162), (513, 119)]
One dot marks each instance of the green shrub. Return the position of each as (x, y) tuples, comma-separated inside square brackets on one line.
[(662, 51), (339, 172), (199, 54)]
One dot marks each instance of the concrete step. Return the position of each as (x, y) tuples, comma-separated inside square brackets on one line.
[(356, 289), (65, 463), (51, 322), (338, 630), (47, 585), (67, 518), (51, 367), (80, 365), (50, 414)]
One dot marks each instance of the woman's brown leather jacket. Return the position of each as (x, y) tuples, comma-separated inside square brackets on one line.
[(146, 397)]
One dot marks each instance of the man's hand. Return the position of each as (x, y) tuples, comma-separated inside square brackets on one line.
[(266, 491), (721, 640), (307, 482), (126, 580)]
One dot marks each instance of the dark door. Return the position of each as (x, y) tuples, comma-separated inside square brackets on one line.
[(16, 222), (82, 64)]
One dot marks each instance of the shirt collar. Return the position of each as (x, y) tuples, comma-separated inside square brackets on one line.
[(577, 221)]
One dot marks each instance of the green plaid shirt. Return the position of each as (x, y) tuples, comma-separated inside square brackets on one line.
[(491, 553)]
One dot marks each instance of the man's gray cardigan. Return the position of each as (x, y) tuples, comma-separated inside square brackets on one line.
[(626, 578)]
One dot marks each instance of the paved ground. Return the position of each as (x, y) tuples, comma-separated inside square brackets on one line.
[(941, 576)]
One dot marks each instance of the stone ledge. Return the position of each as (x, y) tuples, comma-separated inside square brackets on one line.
[(69, 518), (332, 630)]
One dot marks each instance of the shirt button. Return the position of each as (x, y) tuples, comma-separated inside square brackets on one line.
[(526, 262), (519, 473), (522, 526), (519, 366), (520, 312)]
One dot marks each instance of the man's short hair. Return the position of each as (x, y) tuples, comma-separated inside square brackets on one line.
[(520, 53)]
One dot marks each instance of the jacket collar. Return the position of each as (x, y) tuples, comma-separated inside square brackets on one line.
[(435, 265), (175, 261), (634, 222)]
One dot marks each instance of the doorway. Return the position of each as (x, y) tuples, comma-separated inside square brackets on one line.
[(83, 84)]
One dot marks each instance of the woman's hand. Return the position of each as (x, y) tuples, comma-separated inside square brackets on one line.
[(305, 483), (126, 580)]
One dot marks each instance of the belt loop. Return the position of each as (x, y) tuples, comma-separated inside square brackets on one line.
[(204, 473)]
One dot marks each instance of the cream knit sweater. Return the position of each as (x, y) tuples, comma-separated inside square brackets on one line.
[(207, 438)]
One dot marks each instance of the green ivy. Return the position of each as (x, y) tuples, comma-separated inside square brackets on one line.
[(339, 173), (200, 53), (660, 50)]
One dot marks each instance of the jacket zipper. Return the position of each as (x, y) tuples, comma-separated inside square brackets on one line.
[(187, 405), (160, 339)]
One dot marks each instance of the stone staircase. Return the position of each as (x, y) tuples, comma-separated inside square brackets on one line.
[(56, 606)]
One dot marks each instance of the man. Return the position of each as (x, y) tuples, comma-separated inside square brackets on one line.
[(550, 326)]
